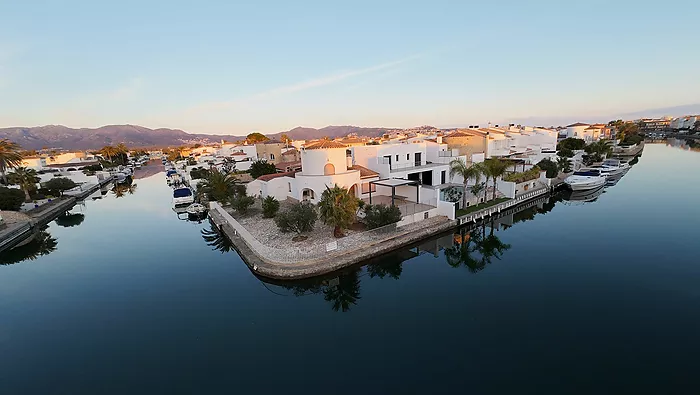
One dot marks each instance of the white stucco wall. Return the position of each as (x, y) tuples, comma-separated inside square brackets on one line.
[(313, 161), (318, 183)]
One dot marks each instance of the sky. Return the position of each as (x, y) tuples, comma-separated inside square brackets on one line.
[(234, 67)]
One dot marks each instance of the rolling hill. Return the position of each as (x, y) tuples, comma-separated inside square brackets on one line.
[(62, 137)]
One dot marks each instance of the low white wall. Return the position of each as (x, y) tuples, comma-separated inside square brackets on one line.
[(506, 187), (409, 219), (446, 208)]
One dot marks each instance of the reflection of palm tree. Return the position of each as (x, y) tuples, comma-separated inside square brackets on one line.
[(42, 244), (345, 293), (215, 239), (120, 190), (69, 220), (461, 253), (392, 269), (492, 247)]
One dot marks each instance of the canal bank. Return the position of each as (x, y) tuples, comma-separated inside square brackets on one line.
[(278, 264), (15, 233)]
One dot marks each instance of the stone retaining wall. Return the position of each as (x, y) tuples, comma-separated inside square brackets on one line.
[(267, 267)]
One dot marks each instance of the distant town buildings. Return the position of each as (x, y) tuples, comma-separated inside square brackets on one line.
[(685, 123)]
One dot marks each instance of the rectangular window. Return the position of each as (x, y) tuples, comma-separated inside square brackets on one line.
[(289, 184), (426, 215), (272, 156), (397, 158), (367, 187), (408, 156)]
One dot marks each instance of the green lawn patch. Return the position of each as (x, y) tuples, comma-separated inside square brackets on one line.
[(480, 206)]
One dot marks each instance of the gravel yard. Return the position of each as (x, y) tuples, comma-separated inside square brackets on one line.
[(280, 246), (266, 231)]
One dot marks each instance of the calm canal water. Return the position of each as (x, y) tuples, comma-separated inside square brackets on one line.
[(565, 297)]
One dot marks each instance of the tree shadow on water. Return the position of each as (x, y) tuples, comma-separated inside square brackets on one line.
[(41, 243), (217, 240)]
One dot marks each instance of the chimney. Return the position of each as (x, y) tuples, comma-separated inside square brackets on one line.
[(439, 139)]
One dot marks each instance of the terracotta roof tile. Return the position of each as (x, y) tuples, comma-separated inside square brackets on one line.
[(268, 177), (364, 172), (460, 133), (324, 144), (283, 165)]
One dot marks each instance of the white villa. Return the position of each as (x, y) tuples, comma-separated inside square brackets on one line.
[(409, 175)]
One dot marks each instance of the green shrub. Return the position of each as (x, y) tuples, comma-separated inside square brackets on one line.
[(241, 203), (299, 218), (261, 167), (11, 199), (566, 153), (528, 175), (199, 173), (270, 206), (378, 215), (549, 166), (571, 143)]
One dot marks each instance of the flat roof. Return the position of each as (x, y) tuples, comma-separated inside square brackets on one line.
[(394, 182)]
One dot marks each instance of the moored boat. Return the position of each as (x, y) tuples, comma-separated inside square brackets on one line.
[(585, 179), (182, 196)]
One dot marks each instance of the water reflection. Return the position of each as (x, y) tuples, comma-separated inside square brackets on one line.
[(126, 188), (474, 247), (686, 144), (216, 240), (39, 244), (69, 220)]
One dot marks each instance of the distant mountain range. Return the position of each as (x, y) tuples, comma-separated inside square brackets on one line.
[(62, 137), (58, 136)]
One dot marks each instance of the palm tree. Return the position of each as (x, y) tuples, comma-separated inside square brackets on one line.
[(338, 207), (476, 189), (10, 156), (495, 168), (121, 148), (26, 179), (109, 152), (459, 167), (605, 148), (564, 164), (218, 185)]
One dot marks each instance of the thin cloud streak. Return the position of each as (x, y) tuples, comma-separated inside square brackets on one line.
[(304, 85)]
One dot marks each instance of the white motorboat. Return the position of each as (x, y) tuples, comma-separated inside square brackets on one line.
[(182, 196), (586, 179)]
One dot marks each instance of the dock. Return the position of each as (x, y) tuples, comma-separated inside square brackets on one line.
[(13, 234)]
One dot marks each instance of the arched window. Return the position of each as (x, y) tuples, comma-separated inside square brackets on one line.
[(328, 169)]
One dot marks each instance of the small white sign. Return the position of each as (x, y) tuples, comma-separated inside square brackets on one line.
[(332, 246)]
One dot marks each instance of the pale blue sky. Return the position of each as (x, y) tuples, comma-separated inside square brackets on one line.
[(233, 67)]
